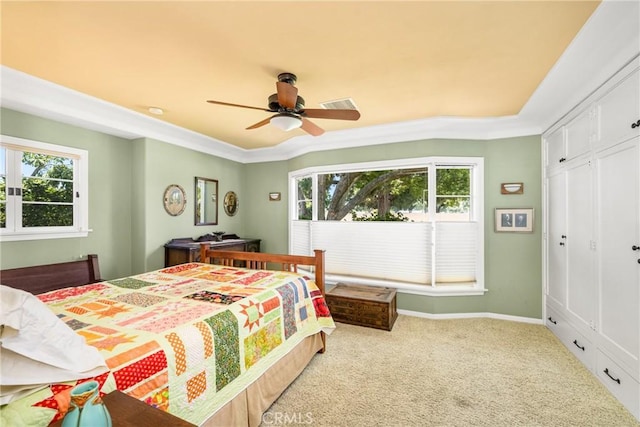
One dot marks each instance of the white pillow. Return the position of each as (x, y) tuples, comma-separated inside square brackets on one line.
[(37, 348)]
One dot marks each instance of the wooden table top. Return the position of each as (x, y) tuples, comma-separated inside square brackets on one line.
[(362, 292), (127, 411)]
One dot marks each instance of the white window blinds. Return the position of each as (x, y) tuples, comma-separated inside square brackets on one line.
[(395, 251), (456, 253)]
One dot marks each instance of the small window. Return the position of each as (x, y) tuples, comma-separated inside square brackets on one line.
[(43, 190), (305, 198), (453, 194)]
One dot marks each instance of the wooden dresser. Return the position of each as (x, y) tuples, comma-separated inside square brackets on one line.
[(363, 305), (180, 251)]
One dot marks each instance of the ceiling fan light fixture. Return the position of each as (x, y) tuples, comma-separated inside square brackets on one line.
[(286, 122)]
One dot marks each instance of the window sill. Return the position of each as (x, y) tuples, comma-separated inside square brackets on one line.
[(411, 288), (15, 237)]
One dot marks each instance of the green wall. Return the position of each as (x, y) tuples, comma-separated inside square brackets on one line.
[(110, 198), (166, 164), (513, 262), (127, 180)]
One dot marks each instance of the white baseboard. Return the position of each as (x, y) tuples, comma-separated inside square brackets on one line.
[(471, 316)]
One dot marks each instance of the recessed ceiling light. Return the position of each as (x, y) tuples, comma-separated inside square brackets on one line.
[(155, 110)]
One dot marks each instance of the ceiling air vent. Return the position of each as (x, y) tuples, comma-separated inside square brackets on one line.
[(339, 104)]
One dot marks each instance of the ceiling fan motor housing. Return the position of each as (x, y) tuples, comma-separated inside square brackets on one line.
[(287, 78), (275, 106)]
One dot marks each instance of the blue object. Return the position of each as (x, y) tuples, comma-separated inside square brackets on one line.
[(87, 408)]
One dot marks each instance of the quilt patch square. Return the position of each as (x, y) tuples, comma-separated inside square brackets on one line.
[(196, 386), (227, 347), (261, 343), (141, 370), (252, 313), (181, 269), (215, 297), (76, 324), (139, 299), (288, 310), (131, 283), (253, 278)]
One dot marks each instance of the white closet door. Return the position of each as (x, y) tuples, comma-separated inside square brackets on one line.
[(581, 286), (618, 188), (557, 255)]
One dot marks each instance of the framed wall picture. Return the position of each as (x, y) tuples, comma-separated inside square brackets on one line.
[(514, 220)]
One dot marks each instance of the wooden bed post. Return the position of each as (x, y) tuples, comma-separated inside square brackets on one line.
[(319, 269), (319, 264), (94, 268), (203, 253)]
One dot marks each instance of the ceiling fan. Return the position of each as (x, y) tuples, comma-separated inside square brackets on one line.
[(290, 111)]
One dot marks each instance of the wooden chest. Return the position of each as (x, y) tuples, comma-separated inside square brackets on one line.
[(363, 305)]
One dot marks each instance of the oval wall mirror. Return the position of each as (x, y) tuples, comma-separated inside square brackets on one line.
[(206, 197)]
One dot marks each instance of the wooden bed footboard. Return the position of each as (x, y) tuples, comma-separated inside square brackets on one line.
[(44, 278), (266, 261)]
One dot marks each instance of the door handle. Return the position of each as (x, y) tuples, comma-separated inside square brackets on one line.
[(635, 248)]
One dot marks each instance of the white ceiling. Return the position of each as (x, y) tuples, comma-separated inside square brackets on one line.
[(415, 69)]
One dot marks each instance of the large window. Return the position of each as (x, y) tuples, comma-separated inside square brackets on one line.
[(43, 190), (414, 224)]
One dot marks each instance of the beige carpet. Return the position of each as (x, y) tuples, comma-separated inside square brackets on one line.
[(463, 372)]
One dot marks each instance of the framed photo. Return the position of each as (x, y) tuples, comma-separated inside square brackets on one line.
[(515, 220)]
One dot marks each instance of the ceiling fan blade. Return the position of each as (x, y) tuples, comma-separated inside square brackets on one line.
[(237, 105), (287, 94), (260, 123), (311, 128), (320, 113)]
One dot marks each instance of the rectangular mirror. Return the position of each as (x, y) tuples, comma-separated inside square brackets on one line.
[(206, 197)]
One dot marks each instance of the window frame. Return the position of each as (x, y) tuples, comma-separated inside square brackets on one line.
[(14, 231), (476, 214)]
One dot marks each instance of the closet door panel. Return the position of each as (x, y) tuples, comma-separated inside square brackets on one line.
[(618, 189), (557, 262), (555, 145), (581, 286), (578, 135), (620, 112)]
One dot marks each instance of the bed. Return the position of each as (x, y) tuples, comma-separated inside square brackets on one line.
[(214, 343)]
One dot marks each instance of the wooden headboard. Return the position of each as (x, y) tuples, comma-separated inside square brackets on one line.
[(44, 278)]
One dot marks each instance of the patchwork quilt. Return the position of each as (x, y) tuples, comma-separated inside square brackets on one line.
[(186, 339)]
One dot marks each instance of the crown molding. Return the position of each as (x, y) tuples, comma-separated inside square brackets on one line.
[(415, 130), (609, 39), (28, 94)]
